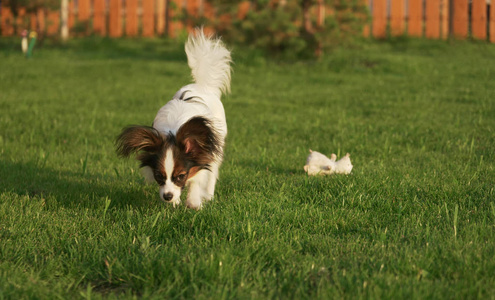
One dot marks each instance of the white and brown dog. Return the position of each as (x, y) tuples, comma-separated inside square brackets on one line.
[(184, 147)]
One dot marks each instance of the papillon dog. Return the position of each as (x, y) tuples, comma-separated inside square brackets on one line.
[(184, 146)]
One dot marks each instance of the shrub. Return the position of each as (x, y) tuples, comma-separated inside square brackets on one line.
[(290, 27)]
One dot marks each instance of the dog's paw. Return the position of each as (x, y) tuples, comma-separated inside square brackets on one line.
[(194, 203), (208, 197), (176, 203)]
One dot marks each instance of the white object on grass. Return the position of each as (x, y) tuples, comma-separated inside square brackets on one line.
[(24, 41), (317, 163)]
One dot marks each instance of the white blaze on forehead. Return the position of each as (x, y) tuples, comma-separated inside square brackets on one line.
[(169, 164), (169, 187)]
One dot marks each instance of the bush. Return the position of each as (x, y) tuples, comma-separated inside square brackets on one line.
[(290, 27)]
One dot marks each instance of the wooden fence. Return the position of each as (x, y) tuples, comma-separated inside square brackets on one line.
[(434, 18), (105, 17), (116, 18)]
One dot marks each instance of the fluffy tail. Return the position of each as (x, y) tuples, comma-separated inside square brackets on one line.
[(209, 61)]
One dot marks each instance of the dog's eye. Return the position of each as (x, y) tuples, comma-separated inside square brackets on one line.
[(181, 177), (159, 178)]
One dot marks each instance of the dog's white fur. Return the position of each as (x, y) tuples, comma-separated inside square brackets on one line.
[(209, 61)]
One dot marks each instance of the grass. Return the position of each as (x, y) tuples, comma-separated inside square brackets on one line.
[(415, 219)]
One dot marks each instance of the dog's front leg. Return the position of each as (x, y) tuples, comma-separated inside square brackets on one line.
[(197, 190), (212, 181)]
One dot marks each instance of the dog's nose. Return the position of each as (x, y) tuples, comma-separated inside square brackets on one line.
[(168, 196)]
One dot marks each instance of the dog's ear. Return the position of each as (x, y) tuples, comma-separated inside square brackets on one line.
[(136, 138), (199, 140)]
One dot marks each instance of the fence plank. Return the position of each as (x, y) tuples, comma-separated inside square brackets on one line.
[(243, 10), (148, 18), (131, 18), (21, 18), (33, 22), (414, 26), (478, 19), (492, 21), (444, 18), (41, 20), (99, 24), (160, 17), (115, 18), (192, 8), (379, 18), (432, 19), (72, 13), (83, 10), (53, 20), (397, 13), (366, 28), (460, 18), (208, 11), (320, 14), (7, 21)]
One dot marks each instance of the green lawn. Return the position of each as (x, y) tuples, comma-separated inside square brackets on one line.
[(415, 219)]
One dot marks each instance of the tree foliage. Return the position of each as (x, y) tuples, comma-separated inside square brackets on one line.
[(290, 27), (30, 5)]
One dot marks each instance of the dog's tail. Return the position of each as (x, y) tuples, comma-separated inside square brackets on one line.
[(209, 61)]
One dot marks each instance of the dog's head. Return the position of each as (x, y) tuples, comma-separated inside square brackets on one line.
[(172, 159)]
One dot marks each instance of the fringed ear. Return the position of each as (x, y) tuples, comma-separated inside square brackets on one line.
[(199, 140), (136, 138)]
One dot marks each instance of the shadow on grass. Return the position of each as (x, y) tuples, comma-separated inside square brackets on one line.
[(73, 189), (258, 165)]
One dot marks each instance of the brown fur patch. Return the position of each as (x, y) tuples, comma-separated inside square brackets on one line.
[(193, 171), (136, 138), (199, 140)]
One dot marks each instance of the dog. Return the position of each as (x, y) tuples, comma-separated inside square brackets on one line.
[(185, 144)]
